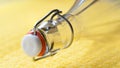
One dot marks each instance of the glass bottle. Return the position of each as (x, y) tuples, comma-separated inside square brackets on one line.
[(58, 32)]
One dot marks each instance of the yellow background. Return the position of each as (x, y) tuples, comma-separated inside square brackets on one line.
[(98, 46)]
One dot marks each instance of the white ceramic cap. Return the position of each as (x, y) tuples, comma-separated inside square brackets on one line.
[(31, 45)]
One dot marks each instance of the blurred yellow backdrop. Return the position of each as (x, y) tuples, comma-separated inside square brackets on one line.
[(98, 46)]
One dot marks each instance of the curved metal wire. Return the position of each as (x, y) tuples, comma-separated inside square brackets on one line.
[(50, 51)]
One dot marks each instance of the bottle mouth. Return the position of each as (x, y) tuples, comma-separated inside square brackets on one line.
[(34, 45)]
